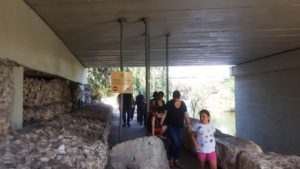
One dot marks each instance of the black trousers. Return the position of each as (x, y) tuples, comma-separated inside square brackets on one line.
[(126, 114), (140, 113)]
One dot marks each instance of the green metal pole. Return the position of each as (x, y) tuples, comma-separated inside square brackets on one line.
[(147, 64), (121, 21), (167, 65)]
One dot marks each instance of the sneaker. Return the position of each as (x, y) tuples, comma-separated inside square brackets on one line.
[(128, 125), (123, 125)]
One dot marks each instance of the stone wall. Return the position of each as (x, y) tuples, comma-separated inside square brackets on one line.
[(237, 153), (45, 99), (6, 97), (267, 161), (67, 142), (81, 95)]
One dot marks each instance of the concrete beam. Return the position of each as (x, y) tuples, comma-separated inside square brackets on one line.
[(291, 60), (27, 40)]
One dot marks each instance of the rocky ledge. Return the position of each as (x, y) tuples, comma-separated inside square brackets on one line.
[(67, 142)]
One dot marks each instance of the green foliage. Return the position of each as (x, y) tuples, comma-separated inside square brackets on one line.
[(212, 94), (138, 74), (99, 80), (158, 79)]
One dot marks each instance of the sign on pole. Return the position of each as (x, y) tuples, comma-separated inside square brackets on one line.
[(121, 82)]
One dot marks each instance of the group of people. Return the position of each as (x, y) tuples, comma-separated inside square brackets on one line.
[(128, 107), (166, 121)]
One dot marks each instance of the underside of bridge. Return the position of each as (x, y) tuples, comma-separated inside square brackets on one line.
[(260, 37), (201, 32)]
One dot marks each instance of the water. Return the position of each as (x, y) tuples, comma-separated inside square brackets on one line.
[(225, 121)]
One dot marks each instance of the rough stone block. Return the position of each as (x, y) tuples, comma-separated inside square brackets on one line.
[(267, 161), (141, 153)]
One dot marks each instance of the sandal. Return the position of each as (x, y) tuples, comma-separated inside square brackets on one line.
[(178, 165)]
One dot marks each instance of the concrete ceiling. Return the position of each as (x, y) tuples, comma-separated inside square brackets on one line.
[(202, 32)]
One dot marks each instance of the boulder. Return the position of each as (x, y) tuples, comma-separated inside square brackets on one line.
[(267, 161), (141, 153), (229, 147)]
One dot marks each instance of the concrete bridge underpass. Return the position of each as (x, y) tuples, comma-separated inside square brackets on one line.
[(62, 38)]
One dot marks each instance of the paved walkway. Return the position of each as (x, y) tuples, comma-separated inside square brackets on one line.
[(135, 131)]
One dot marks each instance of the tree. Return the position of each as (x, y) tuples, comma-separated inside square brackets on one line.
[(216, 95), (138, 74), (98, 79), (158, 79), (194, 106)]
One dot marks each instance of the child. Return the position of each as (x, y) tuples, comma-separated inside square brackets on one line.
[(158, 117), (158, 126), (204, 141)]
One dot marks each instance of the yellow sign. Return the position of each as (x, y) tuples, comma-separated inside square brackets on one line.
[(121, 82)]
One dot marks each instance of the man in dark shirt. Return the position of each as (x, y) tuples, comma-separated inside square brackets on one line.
[(127, 107), (140, 103)]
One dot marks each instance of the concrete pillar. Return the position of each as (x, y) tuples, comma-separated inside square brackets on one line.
[(267, 102), (17, 103)]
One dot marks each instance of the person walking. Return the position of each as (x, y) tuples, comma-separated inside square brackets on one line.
[(204, 140), (132, 109), (176, 114), (140, 103), (127, 107)]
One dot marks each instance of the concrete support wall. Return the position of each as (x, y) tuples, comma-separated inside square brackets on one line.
[(268, 102), (17, 103), (27, 40)]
